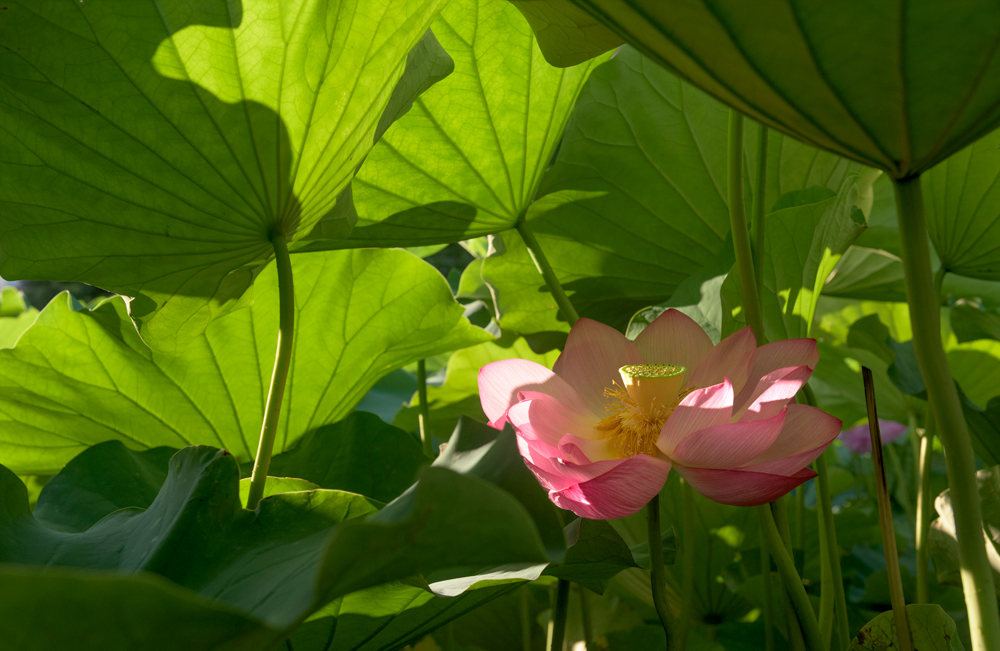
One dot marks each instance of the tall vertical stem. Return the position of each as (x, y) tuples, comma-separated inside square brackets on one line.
[(824, 507), (738, 226), (796, 591), (542, 263), (560, 610), (826, 583), (832, 548), (282, 360), (687, 554), (924, 509), (424, 418), (893, 576), (925, 319), (657, 573), (765, 570), (526, 624), (588, 628), (759, 208)]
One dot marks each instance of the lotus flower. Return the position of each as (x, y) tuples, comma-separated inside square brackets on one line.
[(858, 439), (602, 430)]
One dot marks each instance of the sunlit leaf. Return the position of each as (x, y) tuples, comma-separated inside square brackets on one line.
[(962, 202), (78, 378), (467, 158), (152, 148), (931, 628)]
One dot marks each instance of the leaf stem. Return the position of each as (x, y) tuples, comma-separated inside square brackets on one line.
[(738, 225), (657, 573), (793, 584), (759, 207), (825, 512), (765, 570), (542, 263), (687, 552), (424, 418), (893, 576), (925, 319), (282, 360), (560, 611), (924, 509)]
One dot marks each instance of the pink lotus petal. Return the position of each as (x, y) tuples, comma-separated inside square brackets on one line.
[(858, 440), (673, 338), (731, 358), (561, 475), (806, 433), (500, 382), (542, 417), (773, 392), (741, 487), (618, 493), (699, 409), (594, 352), (773, 356), (728, 445)]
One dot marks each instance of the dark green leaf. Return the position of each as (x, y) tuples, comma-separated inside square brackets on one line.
[(970, 323), (931, 629), (898, 90)]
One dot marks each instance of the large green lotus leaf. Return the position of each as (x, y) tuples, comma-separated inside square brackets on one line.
[(152, 148), (804, 239), (962, 199), (468, 157), (897, 86), (118, 613), (460, 392), (931, 629), (282, 562), (635, 203), (387, 617), (109, 477), (78, 378)]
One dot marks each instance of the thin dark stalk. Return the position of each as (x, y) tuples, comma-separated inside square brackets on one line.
[(893, 576), (657, 573), (560, 610)]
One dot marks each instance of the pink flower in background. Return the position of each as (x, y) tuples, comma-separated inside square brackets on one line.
[(858, 440), (603, 428)]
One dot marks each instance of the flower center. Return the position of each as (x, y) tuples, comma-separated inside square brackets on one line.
[(648, 395)]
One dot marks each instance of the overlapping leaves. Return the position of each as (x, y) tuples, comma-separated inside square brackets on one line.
[(78, 378), (911, 89), (154, 148)]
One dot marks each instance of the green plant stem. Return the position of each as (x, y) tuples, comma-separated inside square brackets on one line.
[(525, 612), (738, 226), (687, 554), (824, 506), (542, 263), (765, 571), (759, 207), (800, 523), (560, 610), (924, 510), (893, 576), (826, 583), (832, 548), (780, 514), (925, 319), (786, 568), (424, 418), (588, 629), (282, 360), (657, 573)]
